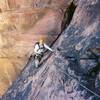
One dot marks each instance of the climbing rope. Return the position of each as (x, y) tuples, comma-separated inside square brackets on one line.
[(71, 77)]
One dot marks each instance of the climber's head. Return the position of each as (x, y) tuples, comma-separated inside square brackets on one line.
[(41, 41)]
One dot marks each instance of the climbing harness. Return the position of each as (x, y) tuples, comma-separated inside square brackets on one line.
[(38, 49)]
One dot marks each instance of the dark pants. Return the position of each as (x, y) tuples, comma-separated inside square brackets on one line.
[(39, 57)]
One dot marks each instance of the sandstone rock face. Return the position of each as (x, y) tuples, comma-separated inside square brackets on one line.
[(22, 23), (62, 78)]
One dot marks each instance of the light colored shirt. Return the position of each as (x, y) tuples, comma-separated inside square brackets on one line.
[(40, 48)]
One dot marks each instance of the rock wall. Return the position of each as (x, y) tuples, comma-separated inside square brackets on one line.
[(62, 78), (22, 23)]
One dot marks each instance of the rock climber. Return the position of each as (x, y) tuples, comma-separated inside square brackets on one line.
[(39, 50)]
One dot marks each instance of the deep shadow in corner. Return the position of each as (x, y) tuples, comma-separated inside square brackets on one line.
[(68, 15)]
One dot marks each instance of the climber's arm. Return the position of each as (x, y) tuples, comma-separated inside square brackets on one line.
[(47, 47)]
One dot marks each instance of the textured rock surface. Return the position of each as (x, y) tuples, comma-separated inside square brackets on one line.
[(51, 80), (22, 23)]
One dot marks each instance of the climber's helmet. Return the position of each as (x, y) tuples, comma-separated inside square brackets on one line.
[(41, 41)]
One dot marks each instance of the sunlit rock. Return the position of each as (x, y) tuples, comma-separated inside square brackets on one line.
[(65, 75), (22, 23)]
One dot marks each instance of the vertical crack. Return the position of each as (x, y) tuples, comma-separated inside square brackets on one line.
[(68, 15)]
